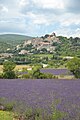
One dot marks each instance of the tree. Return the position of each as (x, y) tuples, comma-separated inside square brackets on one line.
[(44, 50), (36, 71), (46, 36), (8, 70), (74, 66)]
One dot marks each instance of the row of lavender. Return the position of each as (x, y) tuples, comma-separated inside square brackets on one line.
[(56, 71), (53, 71), (43, 93)]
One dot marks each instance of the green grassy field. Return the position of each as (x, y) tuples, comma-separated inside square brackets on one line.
[(4, 115), (44, 55), (18, 67)]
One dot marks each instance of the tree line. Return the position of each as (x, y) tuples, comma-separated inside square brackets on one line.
[(9, 73)]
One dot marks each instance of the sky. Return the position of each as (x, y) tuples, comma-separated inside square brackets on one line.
[(40, 17)]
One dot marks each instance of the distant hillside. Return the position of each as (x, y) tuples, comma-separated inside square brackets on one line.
[(68, 46), (11, 40), (50, 43)]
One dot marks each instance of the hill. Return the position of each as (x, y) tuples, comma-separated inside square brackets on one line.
[(49, 49), (50, 43), (68, 46), (11, 40)]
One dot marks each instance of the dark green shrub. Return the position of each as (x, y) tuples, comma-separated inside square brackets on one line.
[(8, 70), (9, 75), (1, 75), (74, 66), (9, 106)]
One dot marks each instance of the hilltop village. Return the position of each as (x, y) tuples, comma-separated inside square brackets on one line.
[(39, 44), (44, 44), (30, 50)]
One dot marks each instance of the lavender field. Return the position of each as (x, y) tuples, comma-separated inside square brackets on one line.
[(56, 71), (43, 94), (53, 71)]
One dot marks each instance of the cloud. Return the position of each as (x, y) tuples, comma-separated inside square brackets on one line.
[(73, 6), (39, 19), (49, 4), (43, 6), (12, 26), (36, 17), (70, 19), (22, 3), (3, 9)]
